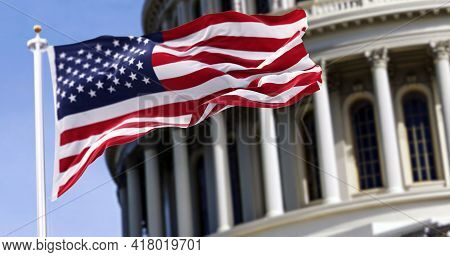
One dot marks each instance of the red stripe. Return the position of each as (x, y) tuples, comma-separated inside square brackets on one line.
[(166, 110), (254, 44), (288, 59), (231, 16), (95, 154), (67, 162), (244, 102), (204, 57)]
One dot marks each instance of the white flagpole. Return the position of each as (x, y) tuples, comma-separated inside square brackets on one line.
[(37, 45)]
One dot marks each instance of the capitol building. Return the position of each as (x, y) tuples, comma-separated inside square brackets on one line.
[(367, 155)]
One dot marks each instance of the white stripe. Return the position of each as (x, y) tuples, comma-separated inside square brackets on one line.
[(249, 55), (168, 97), (285, 77), (77, 147), (182, 68), (62, 178), (240, 29), (263, 98)]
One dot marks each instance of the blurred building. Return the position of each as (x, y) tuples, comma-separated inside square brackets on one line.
[(368, 155)]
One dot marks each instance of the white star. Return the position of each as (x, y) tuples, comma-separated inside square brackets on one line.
[(63, 94), (132, 49), (62, 55), (60, 78), (131, 61), (65, 81), (58, 91), (80, 52), (99, 84), (86, 65), (89, 79), (125, 47), (146, 41), (72, 98), (109, 76), (89, 56), (69, 70), (132, 76), (130, 37), (70, 58), (111, 89), (146, 80), (71, 83), (137, 50), (142, 52), (106, 64), (61, 66), (98, 60), (139, 65), (116, 43), (139, 39), (75, 72), (128, 84), (98, 47), (115, 65), (126, 59), (80, 88), (82, 75), (116, 81), (57, 105), (78, 61), (108, 52), (122, 70), (92, 93), (116, 55)]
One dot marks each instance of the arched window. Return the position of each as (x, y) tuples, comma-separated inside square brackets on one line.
[(197, 9), (262, 6), (417, 122), (311, 156), (226, 5), (366, 145)]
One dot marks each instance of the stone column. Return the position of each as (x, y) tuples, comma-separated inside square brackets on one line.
[(134, 202), (389, 143), (325, 143), (153, 193), (240, 6), (270, 163), (182, 183), (280, 4), (222, 176), (442, 67)]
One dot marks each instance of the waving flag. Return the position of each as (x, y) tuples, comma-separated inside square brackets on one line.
[(113, 90)]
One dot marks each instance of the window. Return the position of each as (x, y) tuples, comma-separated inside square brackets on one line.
[(262, 6), (417, 122), (312, 165), (366, 145), (226, 5), (197, 9)]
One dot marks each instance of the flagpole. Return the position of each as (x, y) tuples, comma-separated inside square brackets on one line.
[(37, 45)]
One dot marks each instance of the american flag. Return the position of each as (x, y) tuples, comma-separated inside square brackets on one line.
[(113, 90)]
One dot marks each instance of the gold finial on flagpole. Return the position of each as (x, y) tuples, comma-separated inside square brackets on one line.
[(37, 28)]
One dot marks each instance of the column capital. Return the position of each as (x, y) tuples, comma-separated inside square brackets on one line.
[(440, 50), (378, 58)]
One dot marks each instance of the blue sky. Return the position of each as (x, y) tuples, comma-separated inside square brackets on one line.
[(96, 213)]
